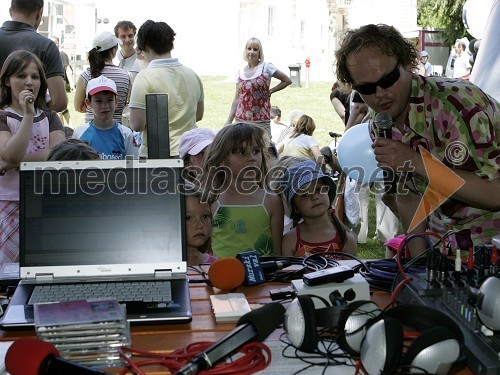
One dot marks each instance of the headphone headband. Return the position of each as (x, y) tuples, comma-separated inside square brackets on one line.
[(328, 317), (435, 328), (423, 318)]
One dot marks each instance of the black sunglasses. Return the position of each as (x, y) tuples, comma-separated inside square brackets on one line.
[(385, 82)]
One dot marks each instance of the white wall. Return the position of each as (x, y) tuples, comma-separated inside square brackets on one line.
[(402, 14), (206, 31), (4, 11), (211, 34)]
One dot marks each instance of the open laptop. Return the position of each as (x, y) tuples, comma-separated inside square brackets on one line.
[(103, 222)]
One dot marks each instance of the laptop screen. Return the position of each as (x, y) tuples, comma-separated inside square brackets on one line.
[(101, 213)]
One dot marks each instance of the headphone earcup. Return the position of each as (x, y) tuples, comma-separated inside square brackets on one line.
[(352, 325), (434, 351), (382, 347), (300, 324), (488, 306)]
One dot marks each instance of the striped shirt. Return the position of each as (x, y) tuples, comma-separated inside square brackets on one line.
[(122, 81)]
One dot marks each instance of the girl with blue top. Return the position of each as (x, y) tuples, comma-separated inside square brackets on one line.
[(245, 215)]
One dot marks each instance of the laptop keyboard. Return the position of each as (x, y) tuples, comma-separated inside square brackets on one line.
[(132, 291)]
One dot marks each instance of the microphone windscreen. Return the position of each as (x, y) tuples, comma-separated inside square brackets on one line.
[(383, 121), (26, 355), (226, 273), (265, 319)]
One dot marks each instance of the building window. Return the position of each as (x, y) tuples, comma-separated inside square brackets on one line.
[(270, 21)]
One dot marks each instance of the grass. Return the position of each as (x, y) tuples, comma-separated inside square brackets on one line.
[(219, 94), (313, 100)]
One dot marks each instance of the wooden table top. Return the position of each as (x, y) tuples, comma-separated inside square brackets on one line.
[(163, 338)]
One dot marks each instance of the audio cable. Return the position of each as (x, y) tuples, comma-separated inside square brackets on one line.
[(299, 266)]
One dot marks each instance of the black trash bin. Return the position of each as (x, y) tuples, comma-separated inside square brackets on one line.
[(295, 74)]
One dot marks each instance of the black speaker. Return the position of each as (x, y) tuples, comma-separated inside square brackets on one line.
[(158, 126), (437, 350), (302, 319)]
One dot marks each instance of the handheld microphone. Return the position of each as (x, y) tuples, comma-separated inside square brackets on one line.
[(253, 326), (32, 356), (383, 122), (274, 265), (246, 269)]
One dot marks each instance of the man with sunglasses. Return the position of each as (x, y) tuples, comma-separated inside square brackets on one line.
[(452, 119)]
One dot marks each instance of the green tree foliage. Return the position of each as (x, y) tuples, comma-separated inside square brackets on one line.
[(446, 14), (429, 14)]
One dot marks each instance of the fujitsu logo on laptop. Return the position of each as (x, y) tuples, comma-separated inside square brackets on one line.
[(104, 269)]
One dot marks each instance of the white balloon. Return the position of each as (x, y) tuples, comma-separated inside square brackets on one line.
[(474, 16), (356, 155)]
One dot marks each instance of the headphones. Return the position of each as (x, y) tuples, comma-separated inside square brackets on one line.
[(437, 349), (487, 301), (377, 337), (302, 319)]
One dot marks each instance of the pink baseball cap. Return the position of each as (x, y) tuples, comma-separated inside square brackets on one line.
[(99, 84), (194, 141)]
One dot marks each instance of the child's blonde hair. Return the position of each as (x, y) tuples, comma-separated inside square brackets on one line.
[(278, 171), (233, 139), (305, 125)]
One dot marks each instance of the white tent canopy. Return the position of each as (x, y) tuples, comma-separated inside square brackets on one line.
[(486, 70)]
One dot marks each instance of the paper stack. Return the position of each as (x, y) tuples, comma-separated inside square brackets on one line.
[(85, 332), (229, 307)]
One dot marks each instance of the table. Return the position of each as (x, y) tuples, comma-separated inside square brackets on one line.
[(162, 338)]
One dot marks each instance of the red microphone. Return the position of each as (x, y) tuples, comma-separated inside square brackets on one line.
[(32, 356)]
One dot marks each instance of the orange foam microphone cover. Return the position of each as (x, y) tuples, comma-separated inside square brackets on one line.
[(226, 273)]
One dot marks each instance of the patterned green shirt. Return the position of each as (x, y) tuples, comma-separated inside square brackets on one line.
[(459, 124)]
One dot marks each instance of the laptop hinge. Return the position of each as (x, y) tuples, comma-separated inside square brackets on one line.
[(44, 277), (163, 273)]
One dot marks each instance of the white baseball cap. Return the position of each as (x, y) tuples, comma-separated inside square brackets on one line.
[(105, 41), (194, 141), (99, 84)]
